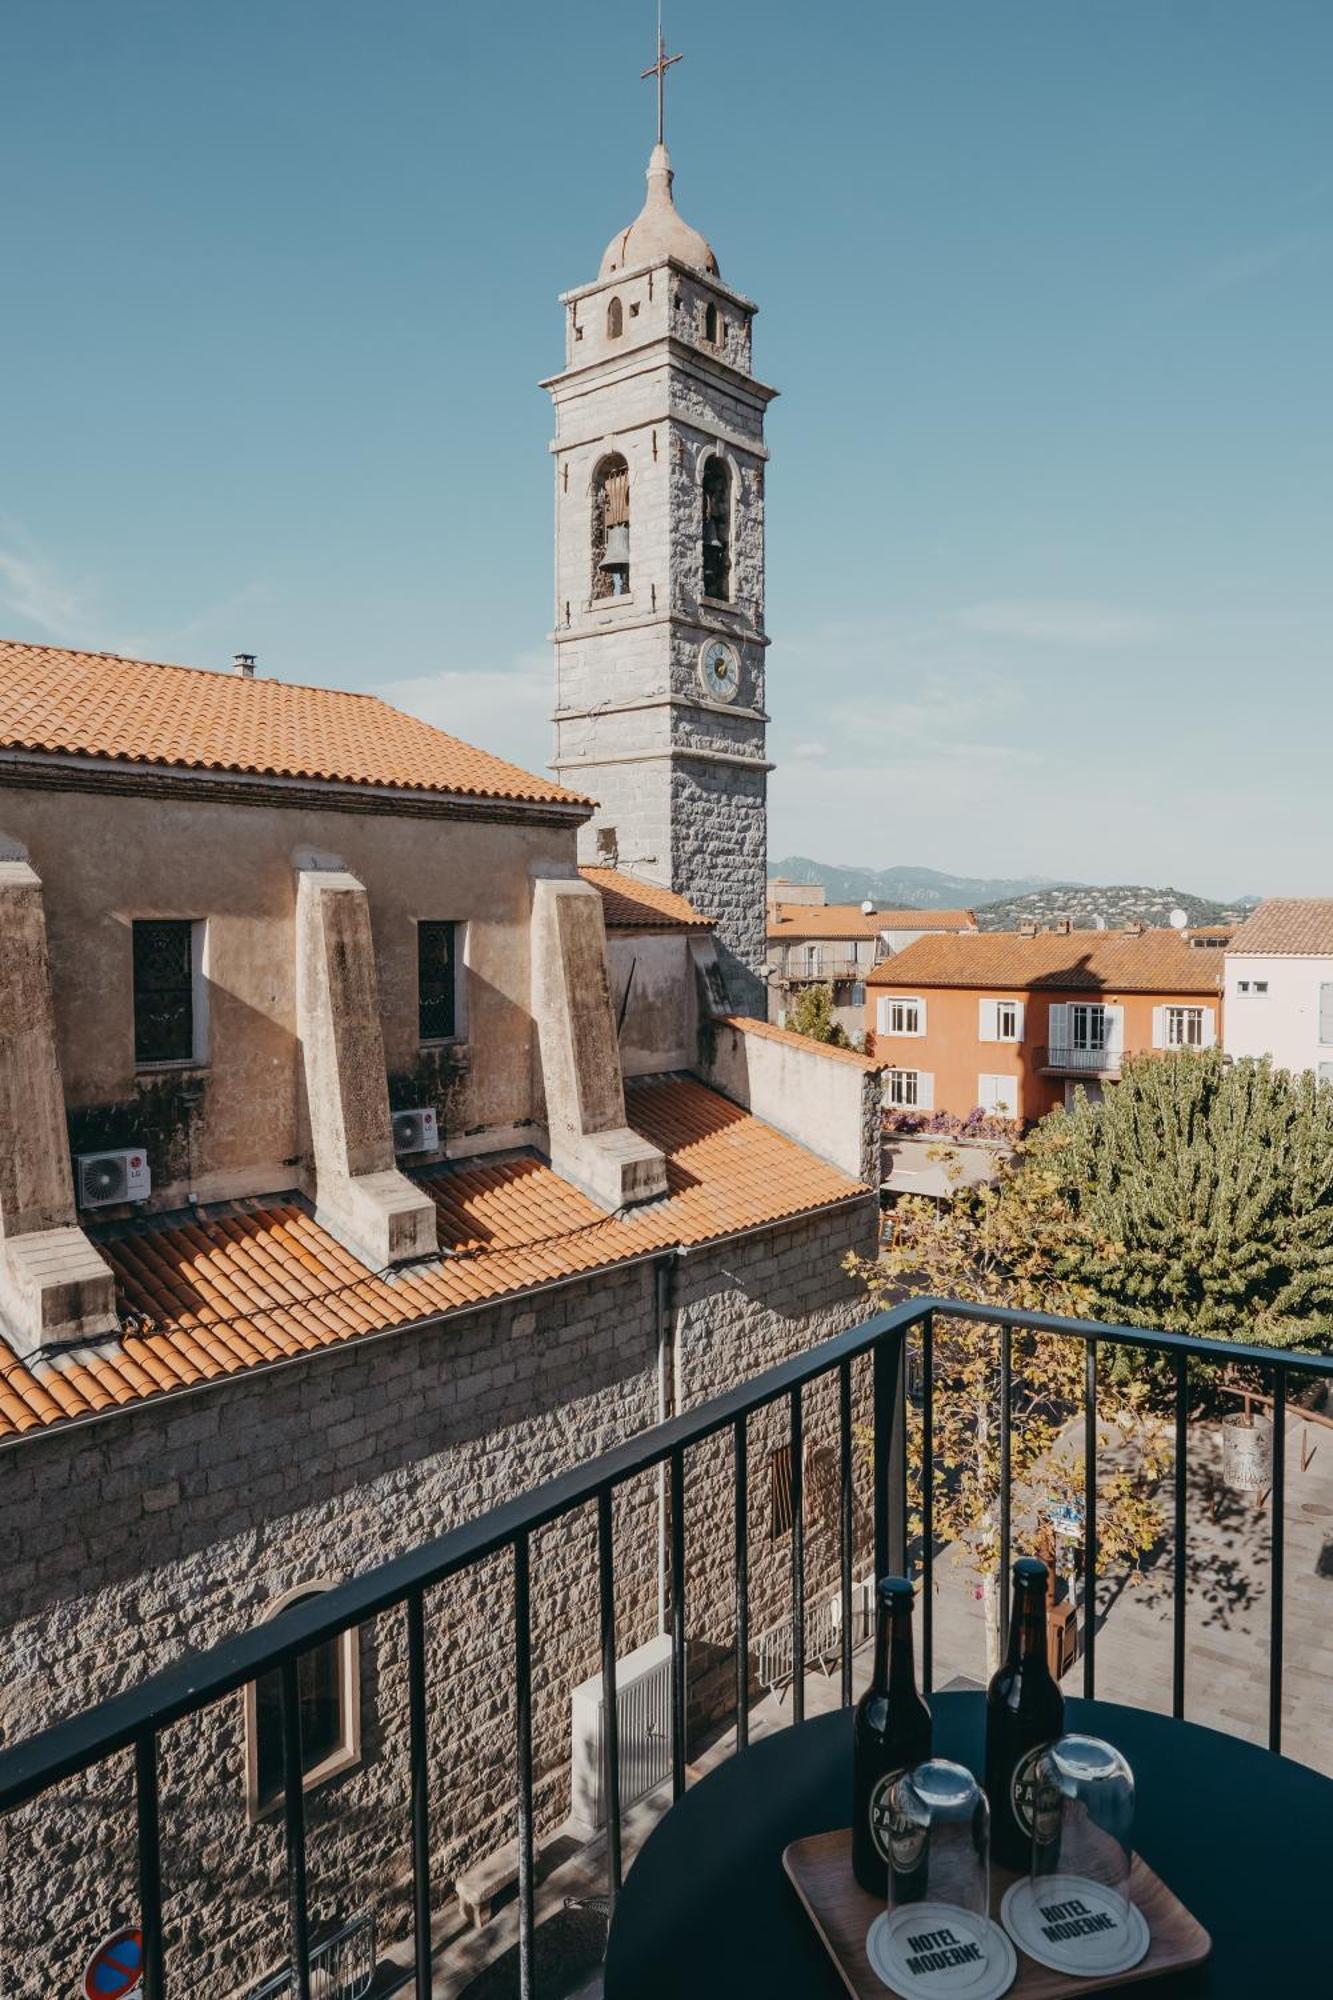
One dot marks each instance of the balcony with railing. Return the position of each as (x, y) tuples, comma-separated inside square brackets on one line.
[(1071, 1059), (862, 1395)]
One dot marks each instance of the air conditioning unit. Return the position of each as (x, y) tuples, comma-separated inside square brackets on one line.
[(416, 1131), (643, 1715), (110, 1177)]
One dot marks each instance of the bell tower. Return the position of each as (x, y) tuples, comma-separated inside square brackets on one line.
[(659, 557)]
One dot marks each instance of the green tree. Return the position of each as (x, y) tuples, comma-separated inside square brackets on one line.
[(811, 1013)]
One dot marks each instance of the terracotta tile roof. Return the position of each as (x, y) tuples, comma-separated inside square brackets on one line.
[(849, 920), (1155, 961), (1211, 930), (99, 705), (770, 1033), (631, 905), (1289, 927), (253, 1281)]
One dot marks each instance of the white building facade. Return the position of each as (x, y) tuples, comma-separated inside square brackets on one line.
[(1279, 985)]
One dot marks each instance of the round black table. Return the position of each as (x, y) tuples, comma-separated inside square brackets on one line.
[(1244, 1838)]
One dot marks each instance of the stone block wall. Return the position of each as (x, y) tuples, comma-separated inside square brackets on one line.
[(154, 1531)]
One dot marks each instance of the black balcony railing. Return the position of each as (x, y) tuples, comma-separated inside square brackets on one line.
[(136, 1719)]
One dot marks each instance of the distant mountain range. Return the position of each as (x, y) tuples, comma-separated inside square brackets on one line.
[(905, 888), (1002, 904)]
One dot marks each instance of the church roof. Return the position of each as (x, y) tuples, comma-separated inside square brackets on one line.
[(658, 230), (245, 1283), (631, 905), (100, 705)]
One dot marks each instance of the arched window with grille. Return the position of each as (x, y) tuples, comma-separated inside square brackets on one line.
[(615, 320), (610, 528), (717, 529)]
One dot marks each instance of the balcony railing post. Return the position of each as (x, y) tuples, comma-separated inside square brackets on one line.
[(293, 1791), (890, 1457), (928, 1503), (148, 1811), (1278, 1520), (420, 1790), (1090, 1520), (797, 1560), (523, 1752), (1179, 1552), (610, 1710), (741, 1532), (1006, 1476), (845, 1522), (679, 1709)]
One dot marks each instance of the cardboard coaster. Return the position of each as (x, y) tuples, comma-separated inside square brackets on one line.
[(930, 1951), (1074, 1925)]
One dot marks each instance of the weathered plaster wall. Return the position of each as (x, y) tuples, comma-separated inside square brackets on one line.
[(232, 1126), (825, 1102)]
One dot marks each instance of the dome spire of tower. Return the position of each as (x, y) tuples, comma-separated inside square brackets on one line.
[(659, 230)]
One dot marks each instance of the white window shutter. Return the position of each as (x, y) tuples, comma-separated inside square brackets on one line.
[(1057, 1031), (1326, 1015), (988, 1029), (1115, 1030), (921, 1017), (1159, 1027), (1020, 1009), (925, 1090), (883, 1015), (1209, 1028)]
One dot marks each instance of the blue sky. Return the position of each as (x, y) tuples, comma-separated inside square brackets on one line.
[(1046, 288)]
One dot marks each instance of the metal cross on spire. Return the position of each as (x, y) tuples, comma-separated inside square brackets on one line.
[(659, 70)]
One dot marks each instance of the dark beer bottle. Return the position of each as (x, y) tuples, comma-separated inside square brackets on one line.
[(1025, 1711), (890, 1733)]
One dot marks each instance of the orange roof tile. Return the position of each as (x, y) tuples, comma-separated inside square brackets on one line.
[(1155, 961), (849, 920), (769, 1032), (253, 1281), (134, 711), (631, 905), (1288, 927)]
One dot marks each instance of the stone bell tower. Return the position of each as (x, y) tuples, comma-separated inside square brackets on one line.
[(659, 627)]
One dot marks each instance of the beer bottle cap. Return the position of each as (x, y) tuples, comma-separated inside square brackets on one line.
[(895, 1592), (1029, 1574)]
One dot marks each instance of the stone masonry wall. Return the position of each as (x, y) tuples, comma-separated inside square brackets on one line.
[(153, 1532)]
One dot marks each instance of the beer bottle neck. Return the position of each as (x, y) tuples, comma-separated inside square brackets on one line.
[(1027, 1627), (894, 1662)]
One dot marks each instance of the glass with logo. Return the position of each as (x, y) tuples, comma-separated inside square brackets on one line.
[(935, 1937), (1073, 1911)]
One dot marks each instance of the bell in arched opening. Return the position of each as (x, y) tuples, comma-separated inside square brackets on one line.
[(610, 528), (717, 530)]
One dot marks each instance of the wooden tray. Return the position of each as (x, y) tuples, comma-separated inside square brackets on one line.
[(820, 1870)]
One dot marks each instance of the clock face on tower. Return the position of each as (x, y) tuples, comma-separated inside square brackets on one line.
[(720, 670)]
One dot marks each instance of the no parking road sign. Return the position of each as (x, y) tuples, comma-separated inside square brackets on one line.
[(115, 1970)]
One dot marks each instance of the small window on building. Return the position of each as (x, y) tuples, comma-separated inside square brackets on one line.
[(998, 1095), (610, 528), (710, 324), (615, 320), (1007, 1021), (1242, 986), (1326, 1072), (906, 1017), (1261, 986), (858, 993), (717, 529), (904, 1087), (328, 1687), (167, 1028), (437, 981), (1184, 1027)]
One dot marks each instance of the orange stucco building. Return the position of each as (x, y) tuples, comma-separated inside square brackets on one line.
[(1015, 1022)]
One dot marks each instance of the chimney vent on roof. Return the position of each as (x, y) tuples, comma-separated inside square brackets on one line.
[(1062, 926), (1136, 928), (1027, 927), (245, 666)]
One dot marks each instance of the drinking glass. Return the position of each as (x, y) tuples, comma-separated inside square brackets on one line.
[(1074, 1912), (936, 1937)]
